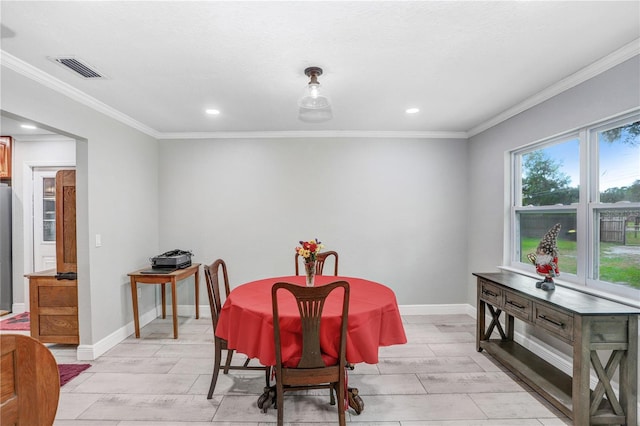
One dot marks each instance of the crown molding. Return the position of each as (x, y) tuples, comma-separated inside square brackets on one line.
[(43, 138), (291, 134), (47, 80), (626, 52), (617, 57), (29, 71)]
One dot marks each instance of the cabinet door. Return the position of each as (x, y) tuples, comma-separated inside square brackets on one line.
[(5, 156), (66, 257)]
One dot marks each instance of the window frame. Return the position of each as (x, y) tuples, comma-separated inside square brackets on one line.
[(586, 210)]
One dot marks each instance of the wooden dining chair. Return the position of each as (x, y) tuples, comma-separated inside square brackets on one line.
[(212, 273), (30, 382), (320, 259), (315, 369)]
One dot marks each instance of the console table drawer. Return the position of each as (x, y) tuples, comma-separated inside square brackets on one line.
[(517, 306), (556, 322), (609, 329), (491, 293)]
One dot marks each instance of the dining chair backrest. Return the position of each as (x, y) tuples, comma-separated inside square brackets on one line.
[(30, 382), (320, 260), (212, 276), (312, 371), (215, 292)]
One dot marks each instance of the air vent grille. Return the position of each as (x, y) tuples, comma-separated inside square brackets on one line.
[(78, 67)]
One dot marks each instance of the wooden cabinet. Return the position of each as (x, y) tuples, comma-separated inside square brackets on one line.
[(66, 256), (593, 326), (54, 308), (5, 156), (53, 302)]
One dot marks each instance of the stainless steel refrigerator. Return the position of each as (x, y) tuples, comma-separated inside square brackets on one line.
[(6, 283)]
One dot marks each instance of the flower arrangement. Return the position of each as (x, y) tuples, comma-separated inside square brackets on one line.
[(309, 249)]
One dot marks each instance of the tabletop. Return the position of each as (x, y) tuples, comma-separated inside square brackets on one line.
[(246, 319), (177, 274)]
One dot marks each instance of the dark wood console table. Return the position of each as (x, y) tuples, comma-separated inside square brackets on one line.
[(588, 323)]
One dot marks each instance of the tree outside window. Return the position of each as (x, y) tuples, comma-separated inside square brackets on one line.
[(604, 227)]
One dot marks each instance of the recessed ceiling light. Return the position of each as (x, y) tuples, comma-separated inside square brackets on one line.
[(212, 112), (412, 110), (28, 126)]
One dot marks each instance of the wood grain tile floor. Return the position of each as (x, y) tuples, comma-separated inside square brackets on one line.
[(436, 379)]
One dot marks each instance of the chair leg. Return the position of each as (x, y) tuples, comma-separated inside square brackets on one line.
[(341, 407), (280, 404), (267, 376), (216, 368), (332, 400), (227, 364)]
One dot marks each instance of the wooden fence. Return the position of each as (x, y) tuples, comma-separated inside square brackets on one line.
[(612, 230)]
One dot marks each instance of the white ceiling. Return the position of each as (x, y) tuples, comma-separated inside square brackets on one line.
[(464, 64)]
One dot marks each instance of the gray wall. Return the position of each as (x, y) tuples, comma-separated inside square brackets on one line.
[(394, 209), (606, 95), (409, 213), (611, 93), (117, 197)]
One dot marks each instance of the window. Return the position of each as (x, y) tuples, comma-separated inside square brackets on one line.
[(49, 209), (588, 181)]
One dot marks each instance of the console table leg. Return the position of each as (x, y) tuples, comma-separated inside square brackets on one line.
[(164, 300), (174, 308), (480, 325), (134, 299), (197, 285), (628, 373), (581, 393)]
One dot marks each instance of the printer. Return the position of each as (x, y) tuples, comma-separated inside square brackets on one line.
[(175, 259)]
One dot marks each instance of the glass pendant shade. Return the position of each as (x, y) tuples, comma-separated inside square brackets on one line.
[(313, 98), (309, 115), (315, 107)]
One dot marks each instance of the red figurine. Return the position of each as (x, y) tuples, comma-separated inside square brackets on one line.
[(546, 259)]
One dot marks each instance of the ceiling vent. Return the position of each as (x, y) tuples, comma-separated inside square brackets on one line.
[(77, 66)]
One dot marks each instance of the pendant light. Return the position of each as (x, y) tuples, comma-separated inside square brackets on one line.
[(315, 106)]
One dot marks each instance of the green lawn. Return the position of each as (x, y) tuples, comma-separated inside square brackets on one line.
[(618, 268)]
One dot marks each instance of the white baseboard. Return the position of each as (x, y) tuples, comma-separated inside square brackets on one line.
[(18, 308), (91, 352), (544, 351), (441, 309)]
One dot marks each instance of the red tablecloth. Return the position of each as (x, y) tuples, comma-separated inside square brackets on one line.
[(246, 320)]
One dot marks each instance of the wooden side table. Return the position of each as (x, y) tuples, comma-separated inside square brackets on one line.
[(162, 279)]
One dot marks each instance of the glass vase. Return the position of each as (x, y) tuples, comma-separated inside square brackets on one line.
[(310, 272)]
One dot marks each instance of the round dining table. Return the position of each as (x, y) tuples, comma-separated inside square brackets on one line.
[(246, 320)]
